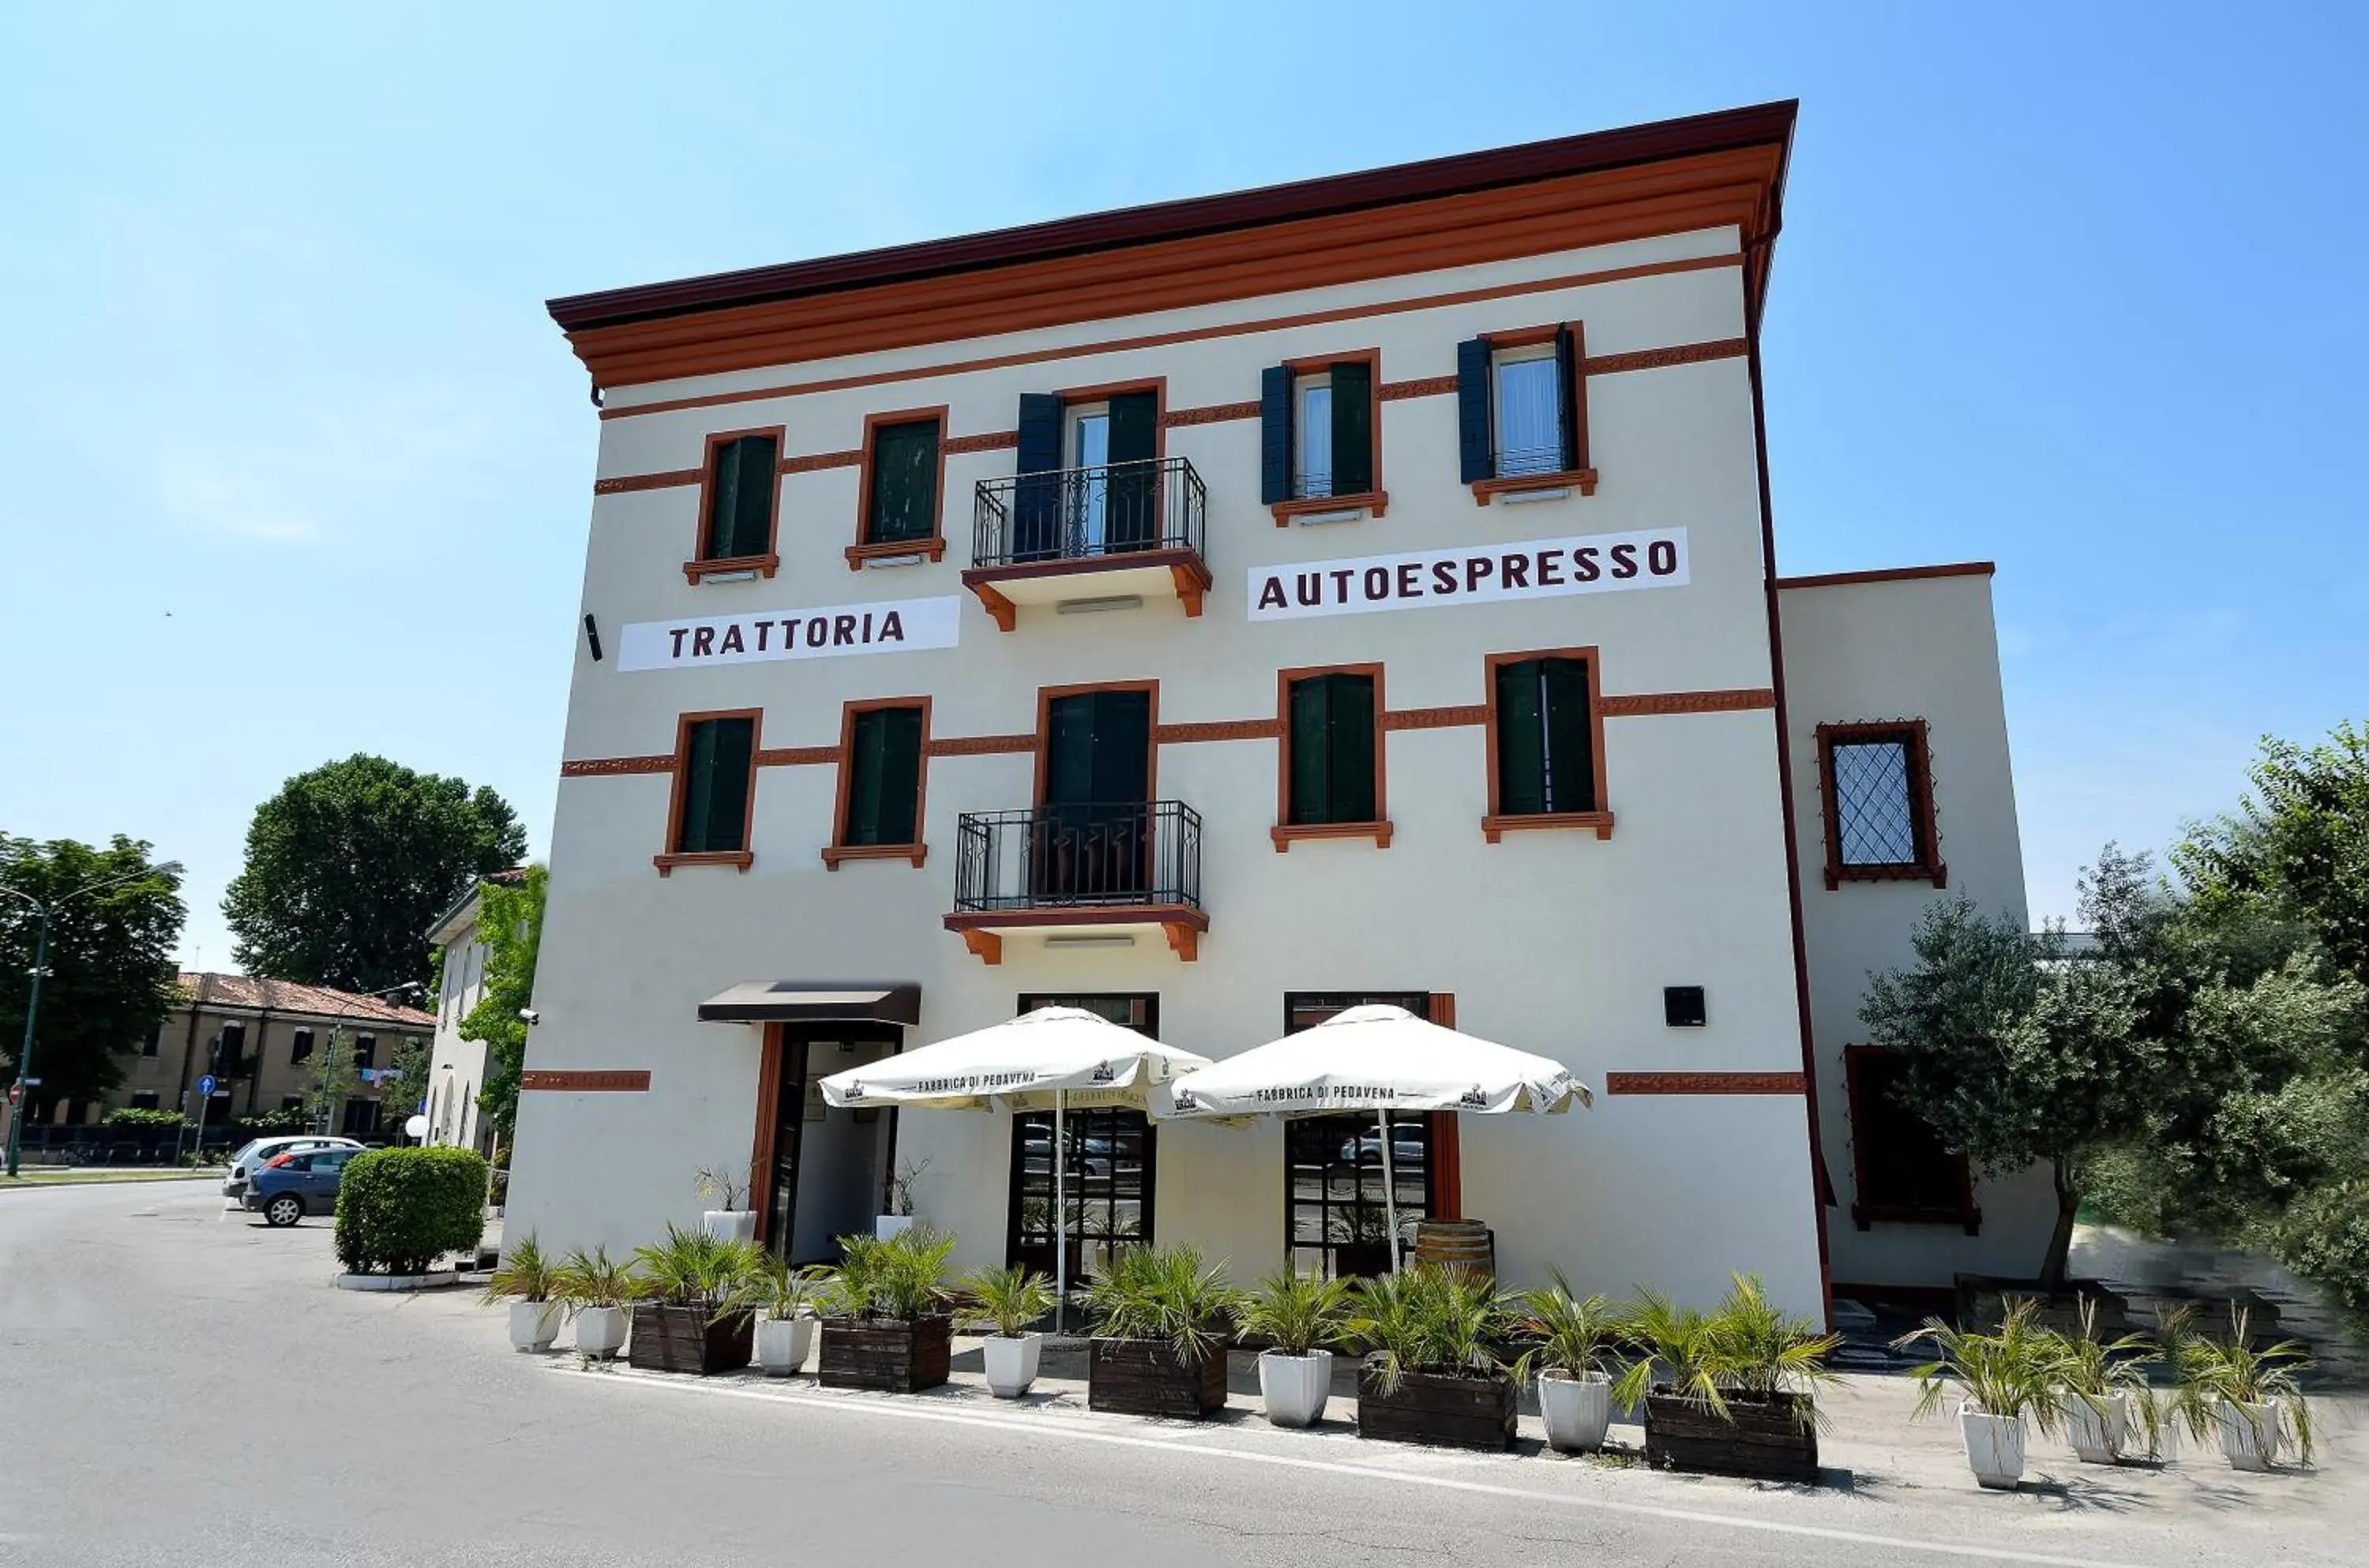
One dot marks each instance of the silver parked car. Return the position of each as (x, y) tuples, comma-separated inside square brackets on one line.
[(255, 1152)]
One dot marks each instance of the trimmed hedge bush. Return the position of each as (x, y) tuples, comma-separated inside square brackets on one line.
[(399, 1210)]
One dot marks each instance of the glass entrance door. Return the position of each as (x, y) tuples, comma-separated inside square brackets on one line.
[(1335, 1222)]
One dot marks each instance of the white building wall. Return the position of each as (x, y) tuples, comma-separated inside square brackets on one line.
[(1917, 648), (457, 1071)]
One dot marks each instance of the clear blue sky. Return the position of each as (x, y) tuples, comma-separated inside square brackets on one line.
[(293, 464)]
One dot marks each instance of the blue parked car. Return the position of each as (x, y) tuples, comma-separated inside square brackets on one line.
[(293, 1185)]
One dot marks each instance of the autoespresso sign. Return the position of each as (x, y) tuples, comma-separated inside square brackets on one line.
[(829, 632), (1482, 574)]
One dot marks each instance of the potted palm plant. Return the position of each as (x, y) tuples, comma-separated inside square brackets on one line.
[(1013, 1299), (2253, 1397), (885, 1325), (783, 1298), (1740, 1394), (525, 1278), (595, 1291), (1305, 1317), (686, 1315), (1568, 1352), (2106, 1395), (1434, 1369), (726, 1186), (1161, 1320), (2001, 1379)]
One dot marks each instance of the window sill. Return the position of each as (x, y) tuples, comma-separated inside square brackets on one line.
[(1285, 833), (763, 565), (834, 854), (1866, 1214), (1580, 479), (1937, 873), (1493, 827), (935, 548), (1374, 503), (740, 860)]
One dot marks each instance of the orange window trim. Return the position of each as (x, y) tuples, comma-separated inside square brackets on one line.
[(935, 545), (839, 850), (1496, 824), (1285, 830), (701, 564), (741, 858)]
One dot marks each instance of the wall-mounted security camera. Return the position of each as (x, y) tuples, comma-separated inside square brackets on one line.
[(531, 1016)]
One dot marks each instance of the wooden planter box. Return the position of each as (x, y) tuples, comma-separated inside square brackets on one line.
[(1766, 1441), (888, 1356), (680, 1339), (1429, 1407), (1143, 1377)]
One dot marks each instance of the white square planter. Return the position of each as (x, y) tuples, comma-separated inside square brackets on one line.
[(783, 1343), (600, 1331), (1295, 1389), (731, 1224), (1994, 1447), (534, 1324), (889, 1226), (2250, 1433), (1012, 1363), (1578, 1411)]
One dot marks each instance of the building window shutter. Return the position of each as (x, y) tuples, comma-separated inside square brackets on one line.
[(1132, 517), (904, 483), (885, 778), (741, 498), (1311, 752), (716, 787), (1352, 765), (1567, 383), (1570, 738), (1275, 435), (1472, 444), (1036, 503), (1352, 427), (1521, 741)]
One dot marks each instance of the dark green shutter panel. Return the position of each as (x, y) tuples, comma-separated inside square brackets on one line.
[(1132, 522), (864, 780), (1037, 502), (1476, 460), (1521, 741), (727, 805), (1122, 726), (698, 789), (1311, 752), (885, 777), (1275, 435), (1571, 742), (1352, 745), (738, 488), (1567, 395), (753, 532), (1070, 767), (904, 483), (1352, 427)]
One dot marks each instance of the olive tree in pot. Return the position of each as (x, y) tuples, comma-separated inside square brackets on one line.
[(884, 1325), (783, 1298), (2001, 1379), (1160, 1320), (2106, 1395), (1568, 1337), (726, 1186), (526, 1280), (1013, 1299), (1305, 1317), (1435, 1369), (595, 1289), (2253, 1398), (1739, 1397), (687, 1317)]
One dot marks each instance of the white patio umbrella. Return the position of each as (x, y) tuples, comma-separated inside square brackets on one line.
[(1055, 1058), (1375, 1059)]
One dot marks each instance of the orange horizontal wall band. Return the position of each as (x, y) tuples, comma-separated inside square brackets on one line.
[(1705, 1083), (1183, 335), (606, 1081), (1742, 700)]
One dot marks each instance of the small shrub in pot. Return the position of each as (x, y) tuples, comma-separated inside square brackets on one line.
[(2002, 1380), (1567, 1351), (2251, 1397), (885, 1325), (596, 1289), (530, 1284), (2107, 1396), (1161, 1317), (1739, 1394), (1012, 1300), (1305, 1317), (687, 1317), (783, 1298), (1435, 1369)]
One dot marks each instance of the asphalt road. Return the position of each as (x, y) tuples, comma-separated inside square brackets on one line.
[(181, 1385)]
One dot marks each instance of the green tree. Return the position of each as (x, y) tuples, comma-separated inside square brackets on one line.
[(336, 1075), (509, 922), (111, 977), (347, 863), (2297, 848)]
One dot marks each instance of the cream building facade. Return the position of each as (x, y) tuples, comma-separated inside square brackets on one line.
[(1220, 612)]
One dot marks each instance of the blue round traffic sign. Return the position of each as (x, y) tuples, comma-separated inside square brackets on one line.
[(206, 1083)]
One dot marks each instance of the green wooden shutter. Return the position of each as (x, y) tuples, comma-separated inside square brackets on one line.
[(1475, 448), (1311, 752), (727, 794), (1353, 742), (723, 503), (1571, 740), (1521, 741), (883, 781), (698, 787), (904, 483), (1352, 427), (863, 778), (1275, 435), (1134, 493), (752, 512)]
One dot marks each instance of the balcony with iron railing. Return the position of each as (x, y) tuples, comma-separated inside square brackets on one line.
[(1090, 538), (1087, 875)]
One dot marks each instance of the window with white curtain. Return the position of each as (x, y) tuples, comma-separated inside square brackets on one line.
[(1527, 403), (1311, 436)]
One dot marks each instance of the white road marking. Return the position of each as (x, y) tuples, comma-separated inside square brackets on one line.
[(1364, 1472)]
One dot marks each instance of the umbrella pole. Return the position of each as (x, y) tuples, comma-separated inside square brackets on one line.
[(1060, 1223), (1390, 1190)]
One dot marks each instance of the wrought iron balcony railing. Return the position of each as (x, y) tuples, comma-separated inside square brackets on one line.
[(1060, 857), (1087, 514)]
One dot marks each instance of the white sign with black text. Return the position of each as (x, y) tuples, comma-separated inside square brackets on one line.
[(897, 626), (1478, 574)]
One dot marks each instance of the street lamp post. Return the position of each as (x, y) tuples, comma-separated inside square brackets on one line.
[(40, 967)]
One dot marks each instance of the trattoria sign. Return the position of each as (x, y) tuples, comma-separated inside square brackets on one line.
[(827, 632), (1479, 574)]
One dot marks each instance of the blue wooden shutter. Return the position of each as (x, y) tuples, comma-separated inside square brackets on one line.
[(1275, 435), (1037, 502), (1352, 427), (1473, 443)]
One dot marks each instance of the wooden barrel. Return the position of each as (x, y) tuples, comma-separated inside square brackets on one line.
[(1457, 1243)]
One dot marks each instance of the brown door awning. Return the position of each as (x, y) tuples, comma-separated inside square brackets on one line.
[(815, 1001)]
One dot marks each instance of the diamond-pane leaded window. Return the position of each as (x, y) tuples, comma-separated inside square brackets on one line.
[(1878, 802)]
